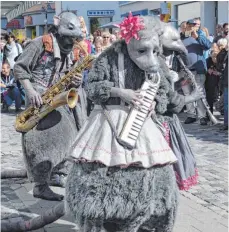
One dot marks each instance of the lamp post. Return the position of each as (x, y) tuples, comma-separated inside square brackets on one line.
[(46, 24), (45, 9)]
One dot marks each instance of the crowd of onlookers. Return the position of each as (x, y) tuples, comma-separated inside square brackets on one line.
[(93, 44), (207, 60), (11, 90)]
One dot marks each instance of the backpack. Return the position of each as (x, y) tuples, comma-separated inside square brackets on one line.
[(18, 51), (15, 59)]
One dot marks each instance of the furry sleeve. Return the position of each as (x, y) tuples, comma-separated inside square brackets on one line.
[(99, 80), (176, 102)]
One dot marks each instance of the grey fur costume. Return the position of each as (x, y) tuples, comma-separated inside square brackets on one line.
[(46, 145), (114, 199)]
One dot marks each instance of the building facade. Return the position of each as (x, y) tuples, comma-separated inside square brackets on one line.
[(211, 13), (38, 18), (32, 23), (95, 13), (15, 26)]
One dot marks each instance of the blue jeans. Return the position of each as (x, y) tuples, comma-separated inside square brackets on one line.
[(13, 95)]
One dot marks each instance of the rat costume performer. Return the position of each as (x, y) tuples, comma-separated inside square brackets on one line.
[(110, 187), (43, 62)]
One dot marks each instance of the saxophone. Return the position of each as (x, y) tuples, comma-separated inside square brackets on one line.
[(53, 98)]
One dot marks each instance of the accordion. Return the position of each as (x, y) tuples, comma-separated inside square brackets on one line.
[(136, 118)]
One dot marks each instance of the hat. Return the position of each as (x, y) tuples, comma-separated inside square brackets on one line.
[(191, 21)]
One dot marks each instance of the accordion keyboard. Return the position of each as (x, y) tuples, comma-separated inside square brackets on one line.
[(137, 117)]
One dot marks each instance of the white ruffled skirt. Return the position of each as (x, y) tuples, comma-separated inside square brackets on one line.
[(96, 142)]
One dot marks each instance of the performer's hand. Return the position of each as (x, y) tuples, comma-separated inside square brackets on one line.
[(152, 112), (76, 82), (131, 97), (35, 98), (195, 96)]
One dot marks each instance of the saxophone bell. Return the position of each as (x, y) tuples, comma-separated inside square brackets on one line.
[(69, 98)]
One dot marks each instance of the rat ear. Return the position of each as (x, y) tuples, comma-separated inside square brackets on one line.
[(56, 20)]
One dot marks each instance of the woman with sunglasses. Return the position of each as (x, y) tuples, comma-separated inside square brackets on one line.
[(106, 40)]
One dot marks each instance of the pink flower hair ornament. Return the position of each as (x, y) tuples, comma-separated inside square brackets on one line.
[(130, 26)]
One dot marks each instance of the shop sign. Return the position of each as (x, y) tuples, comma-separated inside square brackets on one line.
[(99, 13), (28, 20), (13, 24)]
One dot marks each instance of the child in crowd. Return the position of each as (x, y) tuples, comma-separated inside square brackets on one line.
[(9, 91)]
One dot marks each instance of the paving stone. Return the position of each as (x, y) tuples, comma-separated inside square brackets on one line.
[(23, 194), (40, 230), (208, 200), (47, 204)]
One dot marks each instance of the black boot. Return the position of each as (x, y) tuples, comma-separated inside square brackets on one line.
[(44, 192), (203, 122), (189, 120)]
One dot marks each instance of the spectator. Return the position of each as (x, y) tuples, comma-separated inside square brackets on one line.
[(98, 39), (97, 33), (224, 33), (196, 43), (218, 30), (212, 78), (98, 49), (112, 38), (9, 90), (116, 32), (197, 22), (85, 42), (222, 43), (11, 50), (222, 67), (106, 40), (225, 92), (2, 45), (91, 39), (210, 38), (182, 29)]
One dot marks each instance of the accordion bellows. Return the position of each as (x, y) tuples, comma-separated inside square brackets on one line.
[(97, 143)]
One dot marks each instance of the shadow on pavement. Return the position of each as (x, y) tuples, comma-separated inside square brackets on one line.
[(206, 133), (18, 203)]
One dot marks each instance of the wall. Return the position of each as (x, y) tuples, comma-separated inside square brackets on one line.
[(139, 5), (208, 17), (3, 23), (188, 11), (83, 7), (58, 7), (223, 12), (39, 18)]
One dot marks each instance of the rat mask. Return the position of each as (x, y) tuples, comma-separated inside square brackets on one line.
[(142, 39), (68, 30)]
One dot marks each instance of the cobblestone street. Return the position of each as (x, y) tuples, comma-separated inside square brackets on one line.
[(202, 209)]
